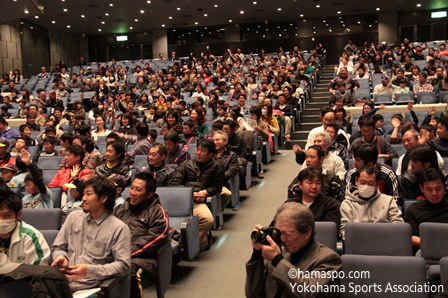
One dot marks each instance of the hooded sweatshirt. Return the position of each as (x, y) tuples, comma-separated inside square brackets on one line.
[(377, 208)]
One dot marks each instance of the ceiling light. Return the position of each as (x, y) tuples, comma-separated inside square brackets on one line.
[(370, 25), (216, 5), (142, 11), (329, 30), (106, 14), (103, 22), (99, 30), (377, 8), (324, 21), (26, 11), (163, 25), (174, 30), (36, 17), (136, 20), (301, 15), (230, 21), (53, 22), (339, 12), (196, 23), (131, 28), (280, 35), (149, 1), (31, 28), (419, 5), (279, 9), (343, 25), (359, 22), (111, 4), (314, 32), (264, 35), (255, 2), (247, 28), (242, 12), (68, 26), (170, 18), (317, 6), (178, 8), (83, 16), (205, 14)]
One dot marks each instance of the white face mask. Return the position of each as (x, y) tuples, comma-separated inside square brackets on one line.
[(264, 112), (7, 225), (100, 107), (366, 191)]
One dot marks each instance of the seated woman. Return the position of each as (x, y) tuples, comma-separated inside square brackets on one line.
[(127, 124), (172, 122), (101, 129), (272, 123), (197, 116)]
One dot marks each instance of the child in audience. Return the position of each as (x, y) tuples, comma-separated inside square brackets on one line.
[(8, 172), (25, 131), (18, 145), (5, 113), (190, 135), (23, 109), (49, 144), (342, 93)]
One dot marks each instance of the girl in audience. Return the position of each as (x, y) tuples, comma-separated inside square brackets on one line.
[(26, 95), (197, 116), (16, 76), (101, 129), (127, 124), (272, 123), (341, 120), (161, 105), (172, 122)]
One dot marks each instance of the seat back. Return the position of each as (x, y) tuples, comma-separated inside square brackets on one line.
[(444, 270), (327, 233), (49, 162), (56, 194), (426, 97), (43, 219), (404, 98), (443, 96), (178, 202), (140, 161), (381, 239), (48, 175), (407, 203), (433, 241), (399, 148), (382, 271), (50, 236), (382, 99)]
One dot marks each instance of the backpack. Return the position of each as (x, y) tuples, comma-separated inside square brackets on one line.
[(45, 281)]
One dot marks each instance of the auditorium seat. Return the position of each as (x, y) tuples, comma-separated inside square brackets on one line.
[(56, 193), (49, 162), (327, 233), (426, 97), (404, 98), (43, 218), (48, 175), (379, 99)]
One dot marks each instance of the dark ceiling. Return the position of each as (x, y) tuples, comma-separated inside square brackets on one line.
[(111, 16)]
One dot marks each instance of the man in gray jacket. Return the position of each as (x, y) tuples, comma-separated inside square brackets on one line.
[(365, 203), (305, 263)]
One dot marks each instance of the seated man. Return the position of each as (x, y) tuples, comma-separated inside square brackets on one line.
[(268, 268), (310, 184), (19, 241), (93, 243), (229, 162), (433, 207), (114, 162), (331, 185), (157, 167), (177, 155), (237, 144), (422, 85), (142, 143), (332, 164), (148, 223), (384, 87), (207, 177), (364, 203), (421, 158), (367, 128), (366, 154), (6, 131), (441, 143), (73, 169)]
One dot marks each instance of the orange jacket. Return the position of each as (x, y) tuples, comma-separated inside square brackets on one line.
[(63, 177)]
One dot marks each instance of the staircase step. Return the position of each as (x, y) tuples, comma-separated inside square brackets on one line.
[(311, 112), (299, 135), (316, 105), (309, 125), (288, 145)]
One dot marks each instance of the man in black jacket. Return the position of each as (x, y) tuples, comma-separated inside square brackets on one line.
[(157, 167), (206, 175), (228, 160), (148, 223), (237, 144)]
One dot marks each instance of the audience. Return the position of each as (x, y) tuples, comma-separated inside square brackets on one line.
[(157, 167)]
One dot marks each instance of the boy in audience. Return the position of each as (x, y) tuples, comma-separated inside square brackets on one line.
[(5, 113), (25, 132), (341, 93), (120, 183), (6, 131), (365, 203), (441, 143), (432, 208), (379, 121), (190, 135), (115, 153), (20, 242), (66, 141), (39, 196), (8, 172), (18, 145), (152, 136), (49, 144)]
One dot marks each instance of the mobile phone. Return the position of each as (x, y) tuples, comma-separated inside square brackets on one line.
[(63, 266)]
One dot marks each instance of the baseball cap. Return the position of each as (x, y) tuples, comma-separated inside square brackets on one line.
[(118, 180), (9, 167), (5, 266), (4, 142), (384, 79), (70, 185)]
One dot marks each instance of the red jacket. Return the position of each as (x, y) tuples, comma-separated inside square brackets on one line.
[(63, 177)]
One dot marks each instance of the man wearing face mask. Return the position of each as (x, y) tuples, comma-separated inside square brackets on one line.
[(365, 203), (21, 242)]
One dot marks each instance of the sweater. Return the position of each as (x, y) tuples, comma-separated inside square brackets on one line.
[(424, 211)]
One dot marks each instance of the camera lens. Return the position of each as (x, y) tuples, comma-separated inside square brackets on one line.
[(256, 236)]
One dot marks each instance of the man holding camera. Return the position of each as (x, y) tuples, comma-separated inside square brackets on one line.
[(268, 272)]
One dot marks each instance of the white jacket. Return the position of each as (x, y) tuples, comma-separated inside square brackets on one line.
[(28, 246), (379, 208)]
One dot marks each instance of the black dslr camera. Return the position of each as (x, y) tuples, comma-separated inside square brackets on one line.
[(260, 235)]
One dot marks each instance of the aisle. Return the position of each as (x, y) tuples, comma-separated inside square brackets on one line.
[(220, 272)]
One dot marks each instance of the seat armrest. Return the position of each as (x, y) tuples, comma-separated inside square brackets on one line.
[(116, 287), (214, 204), (189, 234)]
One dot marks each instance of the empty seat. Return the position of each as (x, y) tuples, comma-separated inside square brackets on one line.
[(382, 271), (426, 97), (49, 162), (327, 233), (382, 99), (43, 219), (404, 98), (385, 239)]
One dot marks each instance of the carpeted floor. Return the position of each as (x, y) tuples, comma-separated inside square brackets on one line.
[(220, 272)]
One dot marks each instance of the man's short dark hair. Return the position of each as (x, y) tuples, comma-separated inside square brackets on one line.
[(310, 174), (172, 136), (218, 124), (83, 130), (67, 136), (51, 140), (142, 128), (325, 110), (208, 144), (367, 153), (189, 123), (377, 117), (369, 169), (151, 184), (366, 122), (23, 126), (50, 129), (153, 133), (114, 136), (119, 149), (424, 153), (77, 151), (230, 123), (429, 128), (103, 187), (161, 149), (10, 200), (431, 174), (320, 151), (443, 121)]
